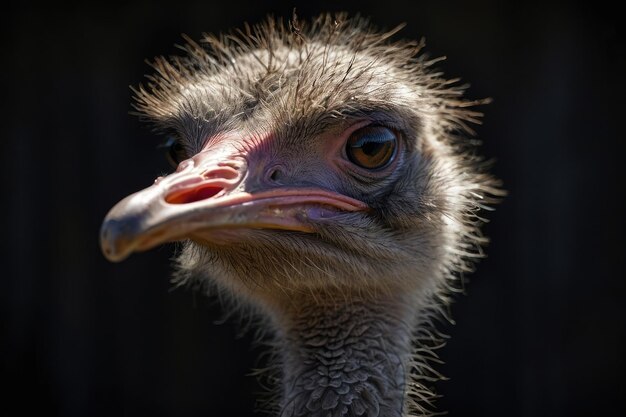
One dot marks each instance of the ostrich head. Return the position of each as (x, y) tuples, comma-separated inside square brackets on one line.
[(322, 179)]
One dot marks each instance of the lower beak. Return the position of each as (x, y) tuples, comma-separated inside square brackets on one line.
[(188, 204)]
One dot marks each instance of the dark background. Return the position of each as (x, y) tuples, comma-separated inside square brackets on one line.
[(541, 330)]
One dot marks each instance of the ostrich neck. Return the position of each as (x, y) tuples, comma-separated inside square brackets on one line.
[(345, 358)]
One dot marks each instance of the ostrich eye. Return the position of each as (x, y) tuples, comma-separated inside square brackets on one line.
[(372, 147), (174, 151)]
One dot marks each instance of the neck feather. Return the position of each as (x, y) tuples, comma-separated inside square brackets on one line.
[(345, 357)]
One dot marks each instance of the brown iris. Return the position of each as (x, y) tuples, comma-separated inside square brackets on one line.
[(372, 147)]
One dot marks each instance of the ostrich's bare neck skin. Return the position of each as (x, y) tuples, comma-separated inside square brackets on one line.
[(345, 357)]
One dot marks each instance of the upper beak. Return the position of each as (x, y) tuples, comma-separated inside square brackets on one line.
[(202, 196)]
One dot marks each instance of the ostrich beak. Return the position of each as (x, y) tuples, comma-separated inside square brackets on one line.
[(200, 198)]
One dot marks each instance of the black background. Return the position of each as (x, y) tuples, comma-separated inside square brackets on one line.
[(541, 330)]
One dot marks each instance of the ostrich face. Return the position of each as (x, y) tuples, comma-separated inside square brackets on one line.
[(304, 164)]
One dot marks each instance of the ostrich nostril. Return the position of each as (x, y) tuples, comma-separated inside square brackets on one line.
[(226, 173), (193, 194)]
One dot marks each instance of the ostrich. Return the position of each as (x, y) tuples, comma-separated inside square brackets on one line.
[(325, 182)]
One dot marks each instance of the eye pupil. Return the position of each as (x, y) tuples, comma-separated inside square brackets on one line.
[(174, 151), (372, 147)]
